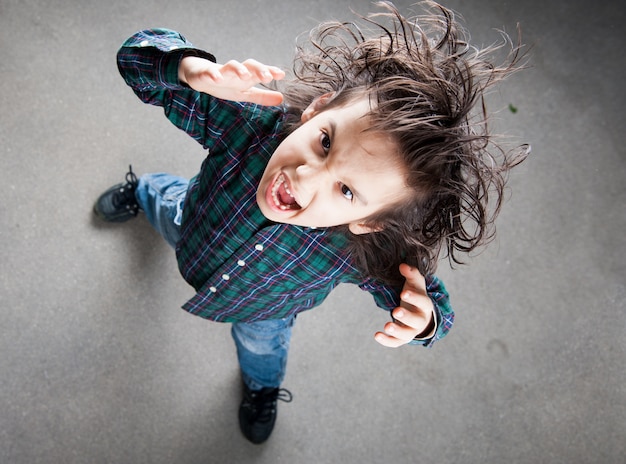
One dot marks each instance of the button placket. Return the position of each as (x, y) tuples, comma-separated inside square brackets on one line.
[(241, 263)]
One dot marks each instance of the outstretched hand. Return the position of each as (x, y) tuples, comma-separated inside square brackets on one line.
[(413, 316), (231, 81)]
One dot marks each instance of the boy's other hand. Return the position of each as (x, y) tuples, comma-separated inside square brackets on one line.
[(413, 316), (231, 81)]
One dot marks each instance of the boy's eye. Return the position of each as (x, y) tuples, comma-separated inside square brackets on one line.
[(325, 141), (346, 192)]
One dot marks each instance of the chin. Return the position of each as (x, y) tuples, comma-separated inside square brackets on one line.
[(270, 214)]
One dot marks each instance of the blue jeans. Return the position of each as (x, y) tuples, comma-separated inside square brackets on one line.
[(262, 346)]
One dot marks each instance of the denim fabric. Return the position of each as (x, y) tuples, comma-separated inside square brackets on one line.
[(262, 346), (262, 349), (161, 196)]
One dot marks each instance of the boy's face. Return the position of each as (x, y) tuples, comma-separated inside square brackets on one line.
[(331, 172)]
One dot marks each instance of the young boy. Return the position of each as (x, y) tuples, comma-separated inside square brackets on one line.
[(372, 164)]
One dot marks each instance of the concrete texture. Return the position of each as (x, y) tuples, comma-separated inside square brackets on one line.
[(99, 365)]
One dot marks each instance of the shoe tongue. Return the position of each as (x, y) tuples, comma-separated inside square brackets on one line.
[(125, 195)]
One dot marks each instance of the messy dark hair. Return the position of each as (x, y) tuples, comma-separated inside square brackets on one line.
[(426, 86)]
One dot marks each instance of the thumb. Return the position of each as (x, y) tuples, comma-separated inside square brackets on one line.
[(263, 97)]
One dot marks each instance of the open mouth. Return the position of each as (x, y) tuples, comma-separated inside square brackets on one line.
[(281, 194)]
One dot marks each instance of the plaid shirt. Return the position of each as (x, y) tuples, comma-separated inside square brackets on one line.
[(242, 266)]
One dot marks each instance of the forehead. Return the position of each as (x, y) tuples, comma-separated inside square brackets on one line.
[(352, 136)]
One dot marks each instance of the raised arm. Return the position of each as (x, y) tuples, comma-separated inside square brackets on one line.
[(165, 70)]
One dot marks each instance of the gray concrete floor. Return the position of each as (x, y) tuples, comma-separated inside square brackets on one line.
[(99, 365)]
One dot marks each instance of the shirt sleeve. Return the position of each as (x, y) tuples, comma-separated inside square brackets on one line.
[(388, 298), (148, 61)]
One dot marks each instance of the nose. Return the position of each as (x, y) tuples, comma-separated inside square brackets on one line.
[(310, 177)]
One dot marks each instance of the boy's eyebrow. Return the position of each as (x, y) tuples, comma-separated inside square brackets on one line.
[(355, 192), (333, 133)]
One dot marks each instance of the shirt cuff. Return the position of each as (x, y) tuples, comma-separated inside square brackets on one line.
[(168, 67)]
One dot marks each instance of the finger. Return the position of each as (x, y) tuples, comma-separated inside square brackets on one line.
[(263, 72), (415, 322), (386, 340), (263, 97), (413, 303), (213, 75), (259, 70), (400, 331), (414, 295), (413, 277), (239, 69), (277, 73)]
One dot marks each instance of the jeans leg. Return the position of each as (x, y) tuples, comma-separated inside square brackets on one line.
[(161, 196), (262, 349)]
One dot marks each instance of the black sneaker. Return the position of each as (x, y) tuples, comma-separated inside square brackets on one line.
[(118, 204), (257, 412)]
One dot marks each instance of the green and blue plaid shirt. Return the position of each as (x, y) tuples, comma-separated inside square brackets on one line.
[(242, 266)]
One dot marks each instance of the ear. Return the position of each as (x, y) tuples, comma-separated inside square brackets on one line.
[(316, 106), (359, 228)]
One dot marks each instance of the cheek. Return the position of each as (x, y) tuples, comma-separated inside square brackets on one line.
[(280, 157)]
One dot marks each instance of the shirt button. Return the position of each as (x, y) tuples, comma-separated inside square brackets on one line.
[(241, 263), (225, 277), (213, 289), (144, 43), (259, 247), (174, 47)]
